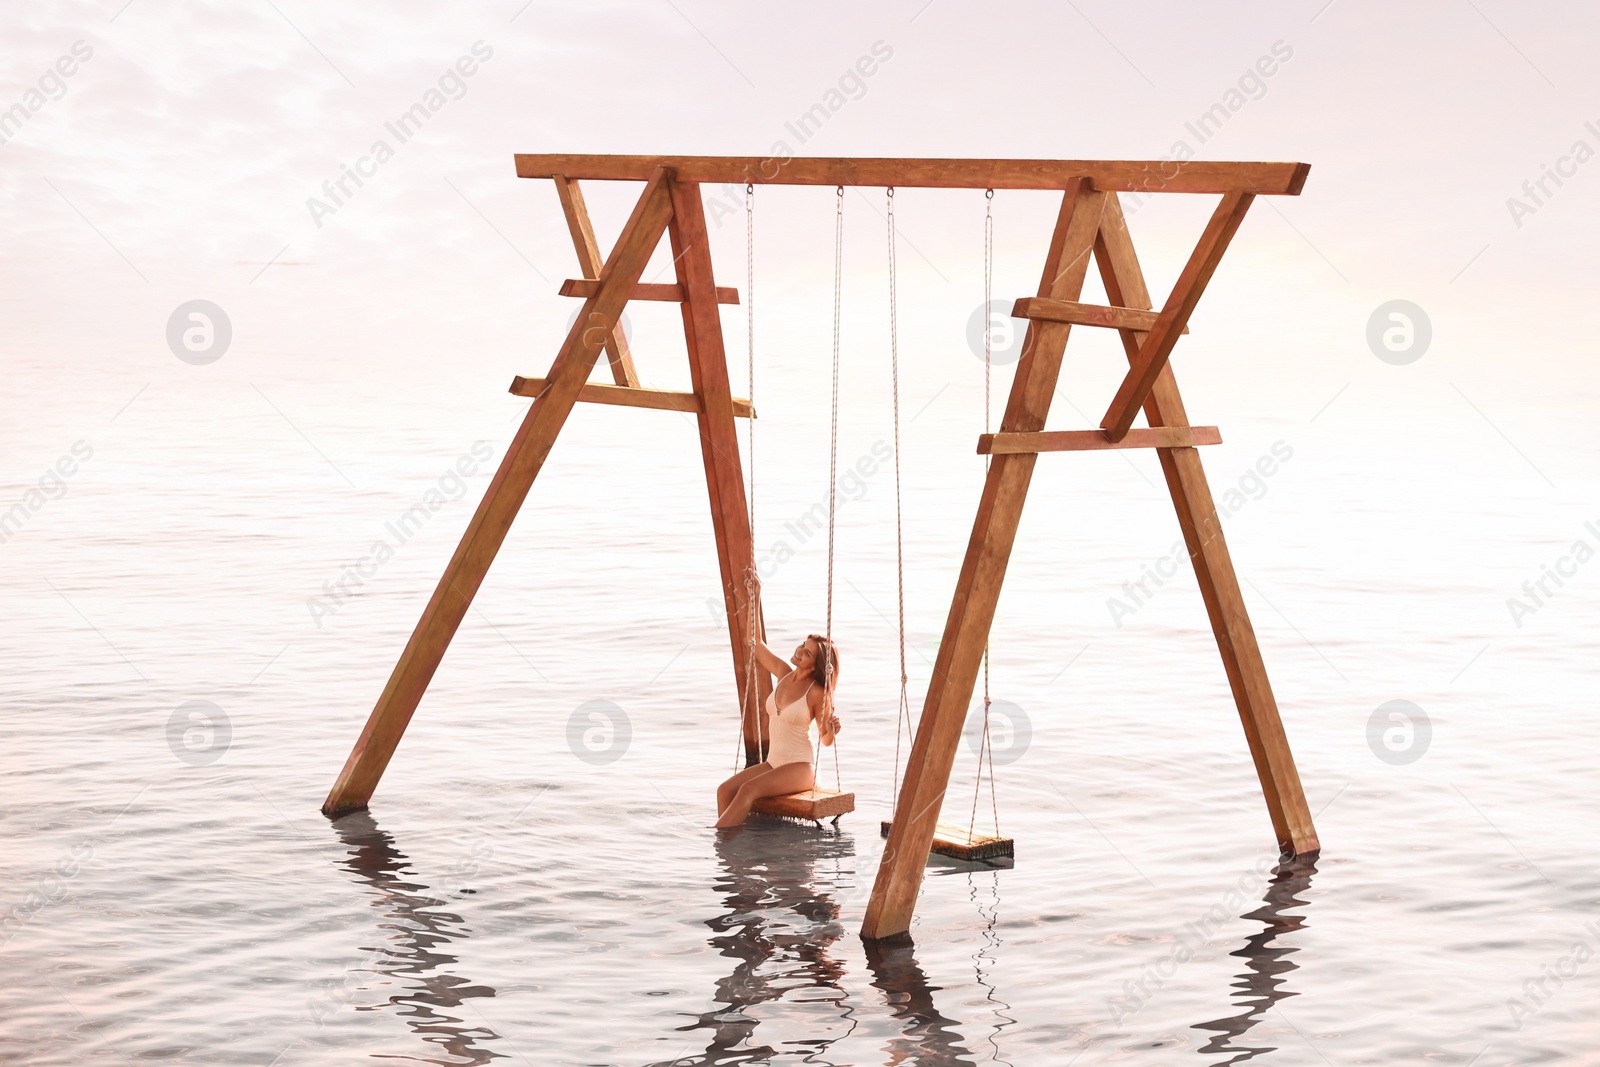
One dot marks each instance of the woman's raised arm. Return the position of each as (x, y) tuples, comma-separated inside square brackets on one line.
[(770, 661)]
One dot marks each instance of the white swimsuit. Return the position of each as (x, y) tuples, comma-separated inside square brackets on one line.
[(790, 730)]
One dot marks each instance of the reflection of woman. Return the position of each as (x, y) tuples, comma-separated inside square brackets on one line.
[(801, 696), (777, 924)]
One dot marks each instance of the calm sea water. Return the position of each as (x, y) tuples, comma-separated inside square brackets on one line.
[(184, 675)]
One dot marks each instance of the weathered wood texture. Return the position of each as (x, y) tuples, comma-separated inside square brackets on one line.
[(590, 261), (646, 291), (1134, 176), (994, 529), (1213, 567), (487, 531), (959, 842), (631, 397), (719, 446), (999, 444), (816, 804)]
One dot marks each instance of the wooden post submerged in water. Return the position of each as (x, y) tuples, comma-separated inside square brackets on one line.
[(1090, 225)]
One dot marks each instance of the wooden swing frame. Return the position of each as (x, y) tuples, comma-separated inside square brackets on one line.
[(1090, 223)]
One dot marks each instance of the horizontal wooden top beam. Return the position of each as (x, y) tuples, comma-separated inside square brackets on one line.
[(1109, 175), (1001, 444)]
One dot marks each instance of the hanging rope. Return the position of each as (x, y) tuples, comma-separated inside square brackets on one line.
[(833, 465), (751, 581), (985, 749), (903, 716)]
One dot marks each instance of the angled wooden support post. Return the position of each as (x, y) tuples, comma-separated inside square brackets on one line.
[(490, 523), (966, 631), (589, 262), (1157, 344), (719, 446), (1208, 551)]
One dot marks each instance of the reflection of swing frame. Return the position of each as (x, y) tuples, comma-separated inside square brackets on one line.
[(1090, 221)]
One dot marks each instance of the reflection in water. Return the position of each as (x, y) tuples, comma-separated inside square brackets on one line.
[(987, 954), (1266, 965), (408, 954), (927, 1037), (778, 927), (779, 924)]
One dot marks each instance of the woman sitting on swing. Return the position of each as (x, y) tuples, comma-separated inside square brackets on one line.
[(800, 696)]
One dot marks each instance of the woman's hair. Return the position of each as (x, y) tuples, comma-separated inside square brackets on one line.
[(824, 665)]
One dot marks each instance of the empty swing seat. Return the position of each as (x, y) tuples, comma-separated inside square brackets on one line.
[(959, 843), (812, 804)]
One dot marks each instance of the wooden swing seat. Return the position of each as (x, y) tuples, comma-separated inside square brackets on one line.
[(1091, 226), (812, 804), (959, 843)]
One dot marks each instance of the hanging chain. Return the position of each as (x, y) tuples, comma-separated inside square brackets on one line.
[(988, 290), (751, 689), (984, 748), (750, 333), (833, 457), (833, 427), (903, 715)]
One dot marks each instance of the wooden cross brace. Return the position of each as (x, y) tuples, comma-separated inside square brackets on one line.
[(666, 206), (1091, 223)]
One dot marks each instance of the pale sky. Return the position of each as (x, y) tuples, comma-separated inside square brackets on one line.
[(177, 160)]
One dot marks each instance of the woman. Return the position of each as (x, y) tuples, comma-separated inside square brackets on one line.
[(800, 697)]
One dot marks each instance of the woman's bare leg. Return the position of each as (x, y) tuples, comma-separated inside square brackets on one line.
[(727, 789), (777, 782)]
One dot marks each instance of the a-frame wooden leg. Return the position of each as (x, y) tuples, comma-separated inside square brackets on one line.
[(955, 671), (506, 492), (1202, 532), (589, 262), (719, 445)]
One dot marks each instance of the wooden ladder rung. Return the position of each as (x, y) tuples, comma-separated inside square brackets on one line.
[(957, 843), (632, 397), (1115, 318), (1002, 444), (587, 287), (814, 804)]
